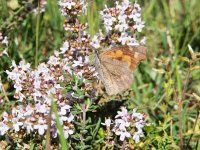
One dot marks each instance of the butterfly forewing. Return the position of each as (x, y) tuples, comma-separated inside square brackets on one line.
[(129, 54)]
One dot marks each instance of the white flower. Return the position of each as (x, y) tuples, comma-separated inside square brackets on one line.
[(123, 134), (24, 66), (69, 4), (121, 26), (16, 124), (122, 113), (18, 112), (18, 87), (42, 68), (37, 83), (29, 111), (61, 78), (123, 38), (5, 116), (125, 4), (87, 60), (143, 41), (28, 125), (126, 39), (78, 62), (137, 6), (1, 86), (80, 74), (108, 19), (41, 126), (5, 41), (39, 108), (53, 61), (135, 15), (20, 97), (70, 118), (139, 24), (132, 41), (121, 124), (5, 52), (84, 6), (3, 128), (14, 75), (65, 47), (65, 109), (95, 42), (122, 18), (139, 124), (67, 131), (36, 94), (107, 123), (137, 116), (137, 135)]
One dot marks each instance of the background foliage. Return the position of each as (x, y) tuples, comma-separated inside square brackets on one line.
[(166, 86)]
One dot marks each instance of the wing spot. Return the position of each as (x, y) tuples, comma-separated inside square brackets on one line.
[(127, 59), (118, 53)]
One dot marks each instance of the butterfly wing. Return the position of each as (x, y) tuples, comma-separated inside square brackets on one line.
[(132, 55), (114, 80), (116, 65)]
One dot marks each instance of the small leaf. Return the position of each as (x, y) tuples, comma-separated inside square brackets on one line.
[(185, 59), (192, 52), (195, 68), (196, 96), (161, 71)]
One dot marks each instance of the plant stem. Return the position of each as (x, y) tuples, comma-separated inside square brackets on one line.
[(37, 35), (48, 133), (180, 122), (84, 113), (4, 91), (180, 103)]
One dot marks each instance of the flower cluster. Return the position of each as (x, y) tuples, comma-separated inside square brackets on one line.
[(36, 88), (127, 125), (30, 118), (72, 7), (71, 60), (78, 41), (121, 24), (43, 84)]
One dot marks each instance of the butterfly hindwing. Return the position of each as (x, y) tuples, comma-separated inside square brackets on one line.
[(115, 67)]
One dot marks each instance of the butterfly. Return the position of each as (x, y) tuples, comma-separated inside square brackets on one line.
[(115, 67)]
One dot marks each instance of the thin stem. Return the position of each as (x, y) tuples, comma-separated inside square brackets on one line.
[(4, 91), (84, 113), (180, 102), (193, 129), (180, 122), (48, 134), (124, 144), (37, 34), (84, 120)]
